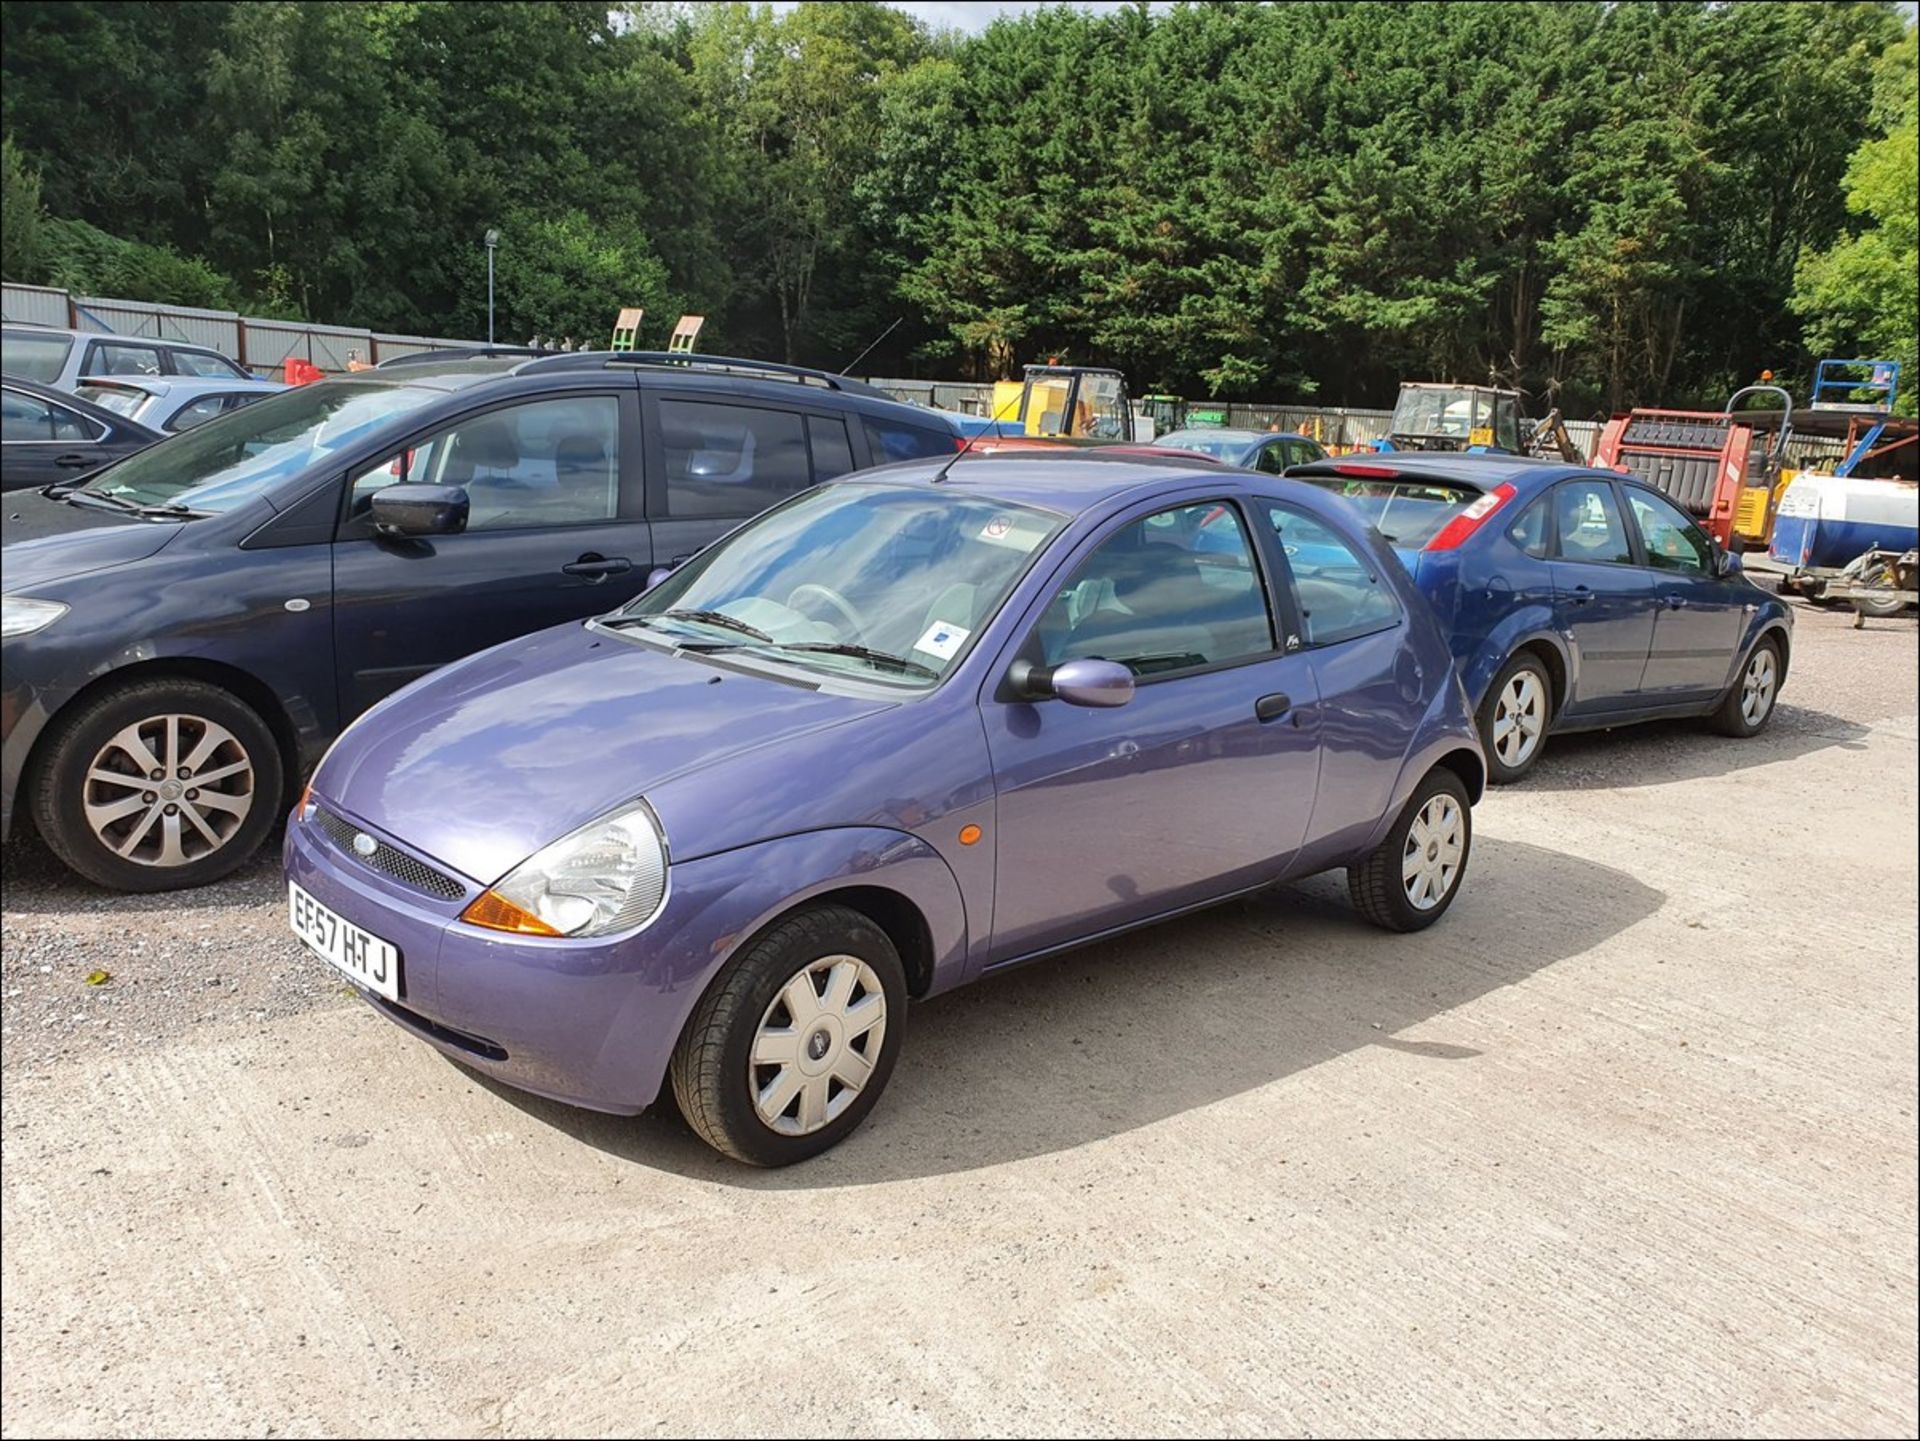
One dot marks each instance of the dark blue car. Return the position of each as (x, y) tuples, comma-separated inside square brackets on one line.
[(185, 632), (1575, 599)]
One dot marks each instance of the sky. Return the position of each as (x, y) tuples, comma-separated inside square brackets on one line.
[(973, 15)]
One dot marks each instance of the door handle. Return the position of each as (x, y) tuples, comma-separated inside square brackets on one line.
[(1582, 594), (598, 567), (71, 461), (1272, 707)]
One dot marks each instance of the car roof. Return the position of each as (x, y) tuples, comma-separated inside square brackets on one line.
[(1068, 480)]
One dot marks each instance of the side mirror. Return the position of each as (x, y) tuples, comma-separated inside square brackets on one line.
[(1726, 563), (414, 510), (1099, 683)]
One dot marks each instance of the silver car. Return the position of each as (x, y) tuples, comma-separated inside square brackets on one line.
[(66, 359), (174, 403)]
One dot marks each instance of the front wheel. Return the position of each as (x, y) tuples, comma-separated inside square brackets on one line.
[(1412, 876), (790, 1048), (157, 785), (1749, 703)]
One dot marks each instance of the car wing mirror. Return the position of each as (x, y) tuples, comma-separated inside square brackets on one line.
[(1099, 683), (417, 510), (1726, 563)]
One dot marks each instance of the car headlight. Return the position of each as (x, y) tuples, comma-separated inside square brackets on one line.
[(610, 875), (22, 615)]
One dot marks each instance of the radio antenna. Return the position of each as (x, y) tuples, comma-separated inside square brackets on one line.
[(993, 420)]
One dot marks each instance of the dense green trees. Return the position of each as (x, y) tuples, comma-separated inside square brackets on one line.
[(1610, 202)]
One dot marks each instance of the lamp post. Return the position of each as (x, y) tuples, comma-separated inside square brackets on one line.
[(493, 239)]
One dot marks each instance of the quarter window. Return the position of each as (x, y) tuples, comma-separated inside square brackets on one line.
[(26, 417), (1169, 593), (832, 456), (198, 413), (730, 460), (1531, 531), (547, 463), (205, 365), (105, 359), (1342, 595), (1590, 528), (890, 442), (1672, 540)]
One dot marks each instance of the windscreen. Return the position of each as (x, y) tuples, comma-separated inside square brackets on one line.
[(1407, 512), (1436, 410), (874, 582), (1227, 446), (231, 459)]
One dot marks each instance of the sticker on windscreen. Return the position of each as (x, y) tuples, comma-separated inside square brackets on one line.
[(1008, 530), (942, 640)]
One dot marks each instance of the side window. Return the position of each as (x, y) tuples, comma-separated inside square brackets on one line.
[(1590, 526), (198, 413), (730, 460), (106, 359), (27, 417), (1176, 590), (1273, 458), (1342, 594), (546, 463), (890, 441), (1506, 424), (206, 366), (1673, 541), (832, 456), (1531, 531)]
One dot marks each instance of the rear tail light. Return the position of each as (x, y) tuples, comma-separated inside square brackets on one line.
[(1455, 532), (961, 442)]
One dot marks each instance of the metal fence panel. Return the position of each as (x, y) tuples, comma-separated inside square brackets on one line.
[(33, 304), (270, 343), (216, 329)]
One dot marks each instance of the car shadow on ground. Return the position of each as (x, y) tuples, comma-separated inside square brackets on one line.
[(33, 879), (1166, 1020), (1656, 752)]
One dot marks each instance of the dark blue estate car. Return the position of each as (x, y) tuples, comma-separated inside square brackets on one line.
[(185, 632), (1575, 598)]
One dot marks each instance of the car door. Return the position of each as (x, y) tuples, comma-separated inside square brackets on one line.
[(714, 460), (1602, 596), (1699, 616), (42, 442), (1349, 626), (556, 532), (1201, 784)]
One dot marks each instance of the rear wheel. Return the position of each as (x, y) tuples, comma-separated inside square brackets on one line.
[(1749, 703), (158, 785), (1514, 718), (792, 1045), (1412, 876)]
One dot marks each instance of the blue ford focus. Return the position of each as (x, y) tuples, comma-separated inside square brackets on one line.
[(1574, 598), (902, 731)]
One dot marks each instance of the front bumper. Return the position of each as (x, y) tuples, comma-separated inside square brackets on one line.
[(591, 1023)]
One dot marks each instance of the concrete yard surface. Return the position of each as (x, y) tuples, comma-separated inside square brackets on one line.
[(1625, 1144)]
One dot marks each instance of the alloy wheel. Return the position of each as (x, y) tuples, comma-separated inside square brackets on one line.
[(1519, 719), (817, 1044), (1430, 863), (168, 790), (1757, 687)]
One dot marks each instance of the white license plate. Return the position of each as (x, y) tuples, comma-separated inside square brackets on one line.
[(362, 957)]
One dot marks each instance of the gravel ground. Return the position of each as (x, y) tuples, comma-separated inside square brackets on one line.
[(1627, 1143)]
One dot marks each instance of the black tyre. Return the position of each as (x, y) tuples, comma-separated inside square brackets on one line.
[(1411, 878), (1749, 701), (791, 1046), (1515, 717), (157, 785)]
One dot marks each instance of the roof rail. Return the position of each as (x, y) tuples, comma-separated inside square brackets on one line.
[(443, 353), (723, 364)]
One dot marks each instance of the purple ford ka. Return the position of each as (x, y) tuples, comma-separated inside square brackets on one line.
[(896, 733)]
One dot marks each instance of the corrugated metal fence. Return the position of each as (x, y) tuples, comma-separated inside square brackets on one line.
[(263, 345)]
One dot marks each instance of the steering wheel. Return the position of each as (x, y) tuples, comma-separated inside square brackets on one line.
[(856, 623)]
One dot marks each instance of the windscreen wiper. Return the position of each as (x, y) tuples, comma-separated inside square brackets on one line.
[(82, 496), (865, 653), (719, 618)]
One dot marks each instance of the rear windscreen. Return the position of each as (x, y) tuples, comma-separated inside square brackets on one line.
[(32, 356), (1407, 512)]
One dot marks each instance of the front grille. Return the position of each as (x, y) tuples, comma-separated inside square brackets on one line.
[(388, 860)]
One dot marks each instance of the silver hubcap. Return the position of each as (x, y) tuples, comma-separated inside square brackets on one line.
[(817, 1044), (1431, 862), (1756, 692), (1519, 718), (168, 790)]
